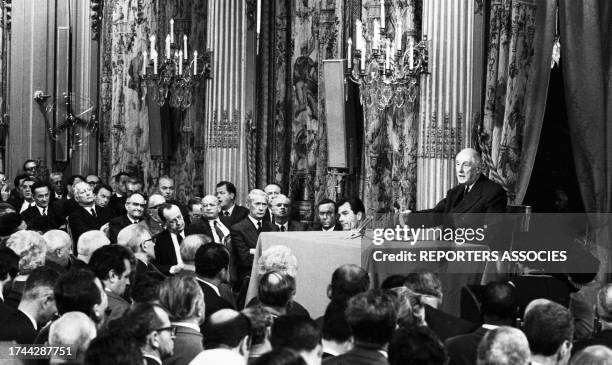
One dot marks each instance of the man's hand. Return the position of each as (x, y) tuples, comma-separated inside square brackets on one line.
[(5, 192), (104, 228), (176, 269)]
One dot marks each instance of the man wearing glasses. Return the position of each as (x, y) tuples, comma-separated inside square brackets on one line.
[(154, 333), (135, 205), (29, 167)]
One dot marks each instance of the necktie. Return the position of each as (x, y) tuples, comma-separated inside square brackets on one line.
[(282, 228), (226, 213), (44, 212), (259, 226), (179, 238), (218, 230), (93, 212), (462, 195)]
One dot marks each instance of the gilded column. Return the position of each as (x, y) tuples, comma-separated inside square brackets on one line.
[(446, 95)]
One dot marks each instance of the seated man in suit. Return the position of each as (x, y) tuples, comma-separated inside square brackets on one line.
[(167, 243), (155, 334), (137, 239), (299, 334), (549, 328), (41, 217), (210, 222), (58, 188), (36, 308), (152, 221), (93, 180), (499, 307), (24, 198), (504, 343), (246, 232), (135, 205), (326, 211), (87, 244), (117, 201), (281, 213), (103, 194), (111, 264), (68, 204), (351, 213), (59, 249), (372, 316), (87, 216), (231, 213), (165, 187), (272, 191), (212, 269), (134, 185)]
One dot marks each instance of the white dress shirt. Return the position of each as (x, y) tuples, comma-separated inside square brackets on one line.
[(177, 247), (221, 226), (26, 204)]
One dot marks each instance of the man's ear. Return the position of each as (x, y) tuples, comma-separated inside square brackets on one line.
[(359, 216), (243, 348), (153, 339), (112, 276)]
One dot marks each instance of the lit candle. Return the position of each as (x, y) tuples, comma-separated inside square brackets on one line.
[(376, 40), (171, 30), (144, 62), (195, 62), (358, 31), (258, 15), (154, 55), (180, 62), (349, 55), (185, 47), (363, 59), (168, 46), (382, 14), (152, 44), (398, 35), (410, 54), (388, 52)]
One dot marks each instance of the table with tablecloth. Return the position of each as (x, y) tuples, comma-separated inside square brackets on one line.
[(320, 253)]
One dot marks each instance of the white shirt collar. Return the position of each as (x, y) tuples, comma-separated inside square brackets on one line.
[(40, 209), (469, 187), (31, 319), (286, 225), (26, 204), (328, 230), (214, 287), (177, 247), (384, 353), (193, 326), (231, 209), (489, 326), (254, 221)]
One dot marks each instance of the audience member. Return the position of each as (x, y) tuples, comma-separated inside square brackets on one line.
[(117, 200), (115, 348), (93, 180), (103, 195), (138, 240), (189, 247), (603, 312), (231, 213), (211, 224), (280, 206), (347, 281), (152, 221), (87, 244), (74, 330), (184, 300), (133, 186), (165, 187), (36, 308), (135, 205), (31, 249), (211, 267), (79, 290), (593, 355), (10, 222), (112, 265), (261, 323), (282, 356), (300, 334), (9, 267), (416, 346), (226, 341), (351, 212), (87, 216), (194, 209), (246, 232), (67, 204), (145, 286), (59, 249), (23, 199), (372, 317), (150, 328), (336, 332), (549, 328), (58, 188), (326, 212), (503, 346), (275, 292), (42, 217), (499, 307)]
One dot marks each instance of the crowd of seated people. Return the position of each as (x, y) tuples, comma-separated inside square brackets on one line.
[(123, 276)]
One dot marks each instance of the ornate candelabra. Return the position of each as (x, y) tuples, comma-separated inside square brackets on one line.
[(387, 70), (172, 80)]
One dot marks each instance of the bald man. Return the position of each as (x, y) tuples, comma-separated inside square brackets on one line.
[(211, 223)]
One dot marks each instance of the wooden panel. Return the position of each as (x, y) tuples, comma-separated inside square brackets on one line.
[(32, 66)]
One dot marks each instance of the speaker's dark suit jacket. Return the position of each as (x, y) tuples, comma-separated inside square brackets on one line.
[(17, 327), (462, 349), (81, 220), (238, 214), (37, 222), (115, 225), (318, 227), (244, 238), (213, 301), (359, 355), (165, 257)]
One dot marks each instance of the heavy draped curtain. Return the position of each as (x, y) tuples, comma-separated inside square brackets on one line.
[(520, 40)]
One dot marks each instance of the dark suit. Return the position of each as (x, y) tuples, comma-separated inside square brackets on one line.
[(294, 226), (244, 238), (142, 268), (213, 301), (17, 327), (82, 221), (359, 355), (117, 204), (117, 305), (37, 222), (16, 202), (187, 345), (165, 256), (462, 349), (238, 214), (64, 207), (5, 310), (530, 287), (603, 338), (203, 225), (445, 325), (115, 225), (318, 227)]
